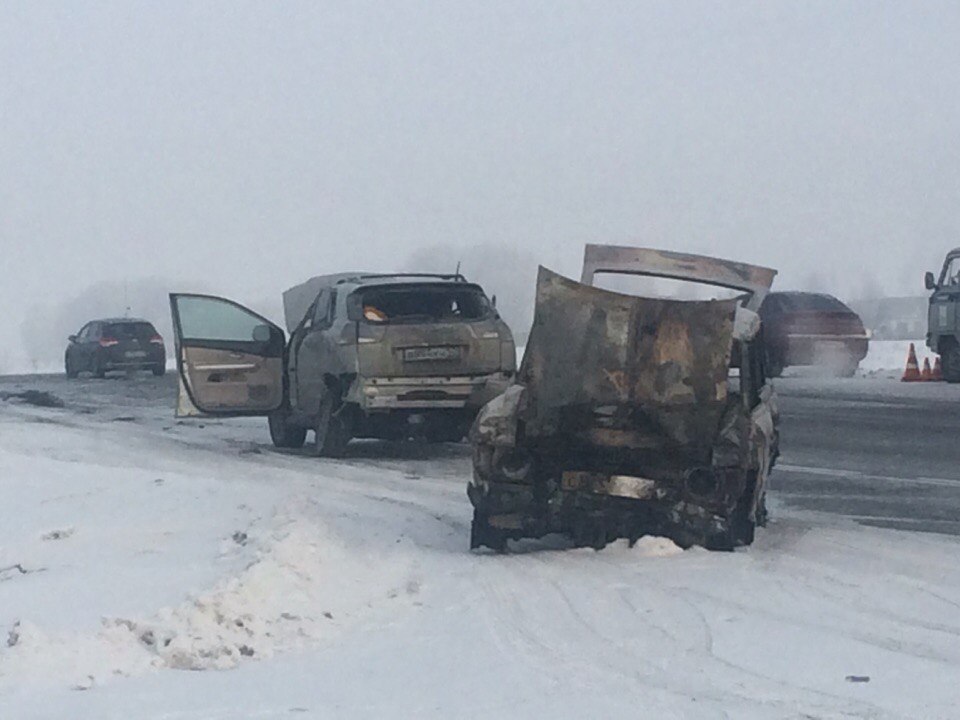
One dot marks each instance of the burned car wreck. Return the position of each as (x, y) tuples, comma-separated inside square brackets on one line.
[(632, 415)]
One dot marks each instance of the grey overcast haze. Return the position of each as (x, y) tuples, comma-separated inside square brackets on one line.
[(239, 148)]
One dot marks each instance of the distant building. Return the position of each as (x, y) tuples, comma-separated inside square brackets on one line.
[(896, 318)]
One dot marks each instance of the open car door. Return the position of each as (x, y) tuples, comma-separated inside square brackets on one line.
[(229, 358)]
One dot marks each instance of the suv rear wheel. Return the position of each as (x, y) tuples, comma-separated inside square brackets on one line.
[(283, 434)]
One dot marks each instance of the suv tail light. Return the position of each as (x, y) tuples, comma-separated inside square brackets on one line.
[(157, 340), (365, 333), (108, 342)]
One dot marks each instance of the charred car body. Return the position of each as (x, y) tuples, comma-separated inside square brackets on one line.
[(632, 415), (386, 356)]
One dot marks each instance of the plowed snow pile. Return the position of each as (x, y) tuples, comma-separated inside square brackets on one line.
[(302, 587)]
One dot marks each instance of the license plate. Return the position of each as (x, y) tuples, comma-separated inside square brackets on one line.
[(134, 354), (828, 349), (444, 352), (628, 486)]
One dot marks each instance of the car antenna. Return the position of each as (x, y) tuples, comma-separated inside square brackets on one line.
[(457, 271), (126, 301)]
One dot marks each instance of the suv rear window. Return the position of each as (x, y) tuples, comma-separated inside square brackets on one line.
[(419, 303), (121, 331)]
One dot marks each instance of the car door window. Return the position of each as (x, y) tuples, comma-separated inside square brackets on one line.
[(319, 309), (204, 318), (323, 313), (84, 333), (229, 358)]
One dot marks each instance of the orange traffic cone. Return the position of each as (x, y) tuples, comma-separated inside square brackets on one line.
[(937, 370), (926, 375), (912, 371)]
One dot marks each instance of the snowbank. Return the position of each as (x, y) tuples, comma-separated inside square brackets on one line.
[(301, 587), (889, 357)]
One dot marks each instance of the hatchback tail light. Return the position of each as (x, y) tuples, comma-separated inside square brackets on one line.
[(156, 340), (108, 342)]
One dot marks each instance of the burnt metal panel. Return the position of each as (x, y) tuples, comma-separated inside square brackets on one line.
[(654, 367), (681, 266)]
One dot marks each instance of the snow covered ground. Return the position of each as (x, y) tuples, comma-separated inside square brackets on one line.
[(156, 569)]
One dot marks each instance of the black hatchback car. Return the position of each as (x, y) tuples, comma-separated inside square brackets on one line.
[(115, 344)]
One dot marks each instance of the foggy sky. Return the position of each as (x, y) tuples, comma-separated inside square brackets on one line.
[(243, 147)]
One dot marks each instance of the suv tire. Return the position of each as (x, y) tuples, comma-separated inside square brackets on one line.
[(283, 434), (69, 369), (331, 430)]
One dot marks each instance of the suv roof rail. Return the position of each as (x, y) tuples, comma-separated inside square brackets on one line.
[(456, 277)]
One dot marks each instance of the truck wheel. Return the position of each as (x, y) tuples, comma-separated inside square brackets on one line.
[(951, 363), (283, 434), (331, 431)]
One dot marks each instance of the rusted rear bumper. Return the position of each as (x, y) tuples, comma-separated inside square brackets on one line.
[(595, 511)]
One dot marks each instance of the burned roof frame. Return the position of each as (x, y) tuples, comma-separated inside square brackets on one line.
[(625, 260)]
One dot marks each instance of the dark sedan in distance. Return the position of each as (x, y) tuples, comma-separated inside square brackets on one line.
[(115, 344), (803, 328)]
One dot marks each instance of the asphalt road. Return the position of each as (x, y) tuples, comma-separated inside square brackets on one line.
[(878, 451)]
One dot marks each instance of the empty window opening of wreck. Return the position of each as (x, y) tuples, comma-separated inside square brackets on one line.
[(663, 288)]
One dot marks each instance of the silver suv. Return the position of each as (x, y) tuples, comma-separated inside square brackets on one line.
[(378, 356)]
